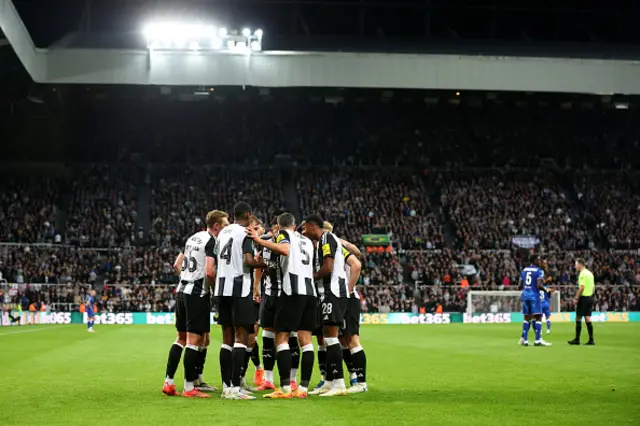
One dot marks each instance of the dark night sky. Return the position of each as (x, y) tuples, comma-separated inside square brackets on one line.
[(113, 23)]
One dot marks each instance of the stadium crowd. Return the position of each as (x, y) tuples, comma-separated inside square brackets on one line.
[(449, 186)]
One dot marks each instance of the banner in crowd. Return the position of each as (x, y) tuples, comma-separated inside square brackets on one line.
[(168, 318), (526, 241), (376, 240)]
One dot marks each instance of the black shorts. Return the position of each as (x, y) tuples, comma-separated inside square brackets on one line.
[(333, 310), (236, 311), (268, 311), (295, 313), (256, 311), (318, 330), (352, 318), (584, 306), (192, 314)]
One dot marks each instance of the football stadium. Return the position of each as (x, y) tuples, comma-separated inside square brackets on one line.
[(386, 212)]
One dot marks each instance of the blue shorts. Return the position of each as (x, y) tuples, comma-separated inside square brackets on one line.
[(546, 309), (531, 307), (90, 313)]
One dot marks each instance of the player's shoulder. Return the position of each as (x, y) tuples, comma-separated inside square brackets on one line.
[(283, 235)]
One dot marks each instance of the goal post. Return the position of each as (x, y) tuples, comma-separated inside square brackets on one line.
[(495, 301)]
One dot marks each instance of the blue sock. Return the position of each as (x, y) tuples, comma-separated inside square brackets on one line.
[(548, 325), (525, 330), (537, 326), (88, 325)]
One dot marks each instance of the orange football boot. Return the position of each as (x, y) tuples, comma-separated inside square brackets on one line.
[(169, 390), (258, 377), (195, 393)]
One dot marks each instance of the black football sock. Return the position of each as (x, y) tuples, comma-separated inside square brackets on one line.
[(255, 355), (239, 355), (226, 364), (175, 353), (590, 330), (203, 359), (306, 366), (283, 356), (295, 357), (267, 351), (334, 359), (578, 329), (190, 361), (359, 363), (348, 361), (247, 357), (322, 361)]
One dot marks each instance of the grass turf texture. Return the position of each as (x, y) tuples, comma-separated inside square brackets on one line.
[(446, 374)]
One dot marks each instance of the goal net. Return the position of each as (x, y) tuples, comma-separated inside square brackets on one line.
[(494, 302)]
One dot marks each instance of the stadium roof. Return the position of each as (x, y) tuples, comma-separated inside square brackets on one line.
[(64, 41)]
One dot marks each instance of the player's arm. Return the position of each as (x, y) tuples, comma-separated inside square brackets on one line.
[(281, 246), (353, 249), (210, 260), (580, 290), (248, 257), (177, 265), (257, 279), (354, 271), (329, 247)]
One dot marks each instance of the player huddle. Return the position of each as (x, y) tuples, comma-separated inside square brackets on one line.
[(304, 282)]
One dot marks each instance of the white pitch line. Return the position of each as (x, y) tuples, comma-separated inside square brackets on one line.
[(31, 331)]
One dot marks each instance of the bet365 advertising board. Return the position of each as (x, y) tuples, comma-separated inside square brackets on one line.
[(168, 318)]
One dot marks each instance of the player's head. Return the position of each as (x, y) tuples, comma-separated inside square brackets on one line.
[(543, 264), (313, 227), (216, 221), (534, 259), (274, 226), (580, 264), (286, 221), (242, 213), (92, 293), (327, 226), (257, 225)]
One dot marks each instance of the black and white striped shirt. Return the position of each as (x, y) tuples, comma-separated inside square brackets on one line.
[(336, 282), (234, 278), (272, 277), (192, 276), (297, 267)]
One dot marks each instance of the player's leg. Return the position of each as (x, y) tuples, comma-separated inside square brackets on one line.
[(243, 320), (295, 359), (346, 356), (197, 325), (175, 352), (306, 347), (537, 327), (334, 309), (285, 321), (90, 321), (225, 319), (267, 317), (258, 376), (203, 386), (247, 358), (580, 312), (546, 310), (589, 324), (173, 361), (356, 352), (526, 324)]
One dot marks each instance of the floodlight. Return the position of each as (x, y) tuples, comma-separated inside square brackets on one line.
[(222, 32), (246, 32), (258, 33), (256, 46), (216, 43)]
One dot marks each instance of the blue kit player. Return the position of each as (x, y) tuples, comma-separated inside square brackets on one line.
[(91, 310), (545, 296), (532, 281)]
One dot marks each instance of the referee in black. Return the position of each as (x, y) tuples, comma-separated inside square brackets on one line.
[(584, 301)]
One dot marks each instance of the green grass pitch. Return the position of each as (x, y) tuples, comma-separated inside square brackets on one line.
[(447, 374)]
